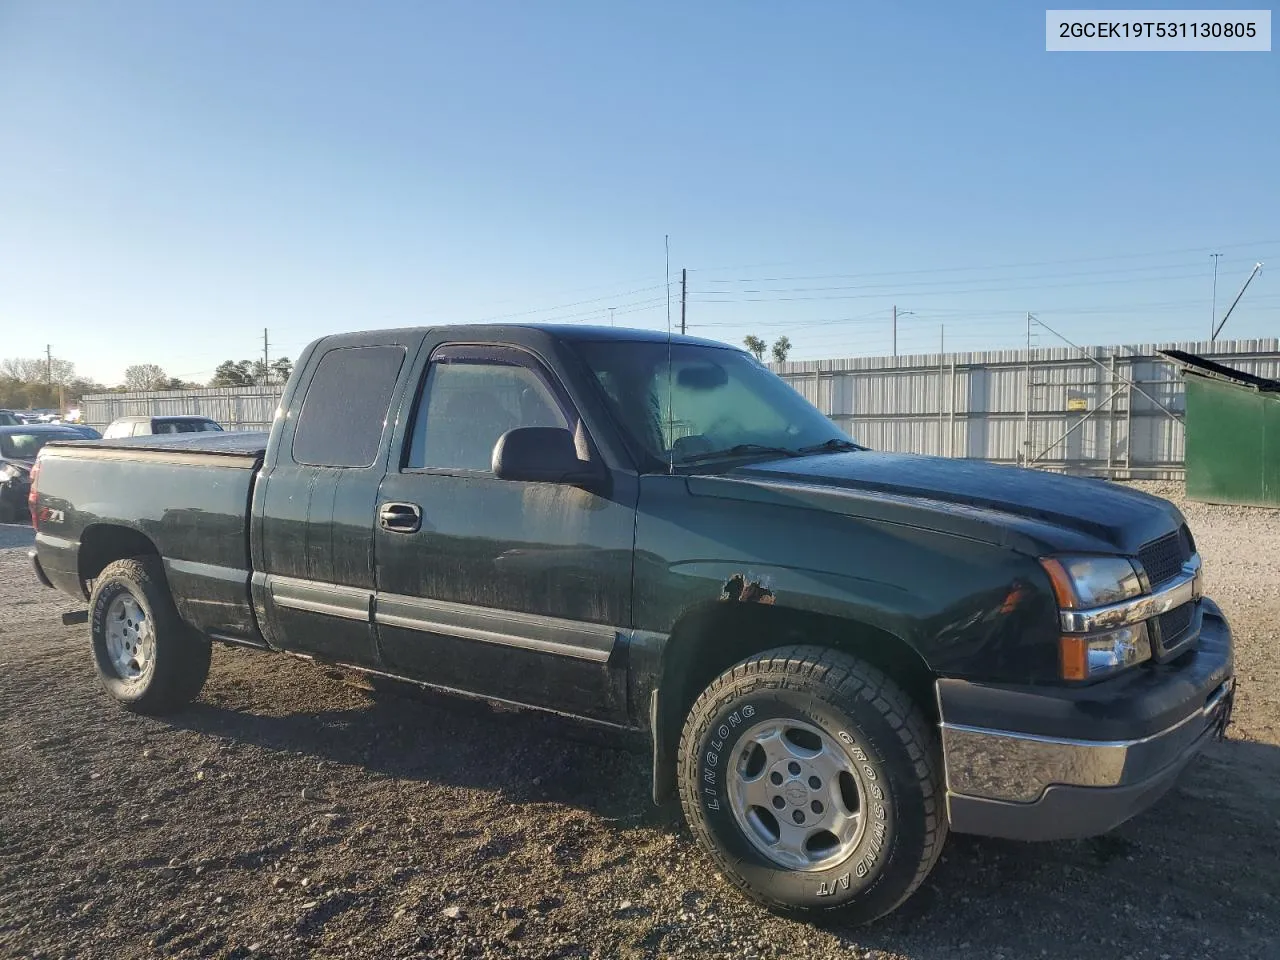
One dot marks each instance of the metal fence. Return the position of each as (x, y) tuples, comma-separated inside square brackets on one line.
[(1111, 411), (236, 408)]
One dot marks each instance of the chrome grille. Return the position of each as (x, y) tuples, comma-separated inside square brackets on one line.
[(1163, 559)]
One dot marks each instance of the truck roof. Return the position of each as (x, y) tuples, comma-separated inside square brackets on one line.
[(572, 332)]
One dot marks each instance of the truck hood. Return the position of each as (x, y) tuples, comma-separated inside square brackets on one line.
[(1038, 504)]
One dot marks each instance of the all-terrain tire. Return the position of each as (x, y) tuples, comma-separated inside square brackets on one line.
[(174, 659), (870, 725)]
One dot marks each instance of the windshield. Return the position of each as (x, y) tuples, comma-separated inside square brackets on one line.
[(25, 446), (706, 401), (186, 426)]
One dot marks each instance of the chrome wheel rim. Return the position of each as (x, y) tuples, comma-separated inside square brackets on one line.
[(796, 795), (131, 645)]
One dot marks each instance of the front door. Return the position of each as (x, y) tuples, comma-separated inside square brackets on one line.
[(514, 590)]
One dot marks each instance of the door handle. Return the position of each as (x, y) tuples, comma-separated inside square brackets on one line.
[(400, 517)]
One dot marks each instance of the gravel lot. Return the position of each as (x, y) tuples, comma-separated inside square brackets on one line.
[(290, 814)]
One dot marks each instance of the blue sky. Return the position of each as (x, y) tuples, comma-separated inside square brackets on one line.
[(176, 176)]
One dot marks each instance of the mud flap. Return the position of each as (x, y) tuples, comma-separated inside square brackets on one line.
[(664, 764)]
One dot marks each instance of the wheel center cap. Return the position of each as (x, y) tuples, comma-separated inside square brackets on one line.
[(795, 792)]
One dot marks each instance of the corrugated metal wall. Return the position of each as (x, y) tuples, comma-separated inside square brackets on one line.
[(956, 404), (1083, 416), (236, 408)]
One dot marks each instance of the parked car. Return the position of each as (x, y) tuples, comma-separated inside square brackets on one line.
[(149, 426), (10, 419), (19, 445), (836, 655)]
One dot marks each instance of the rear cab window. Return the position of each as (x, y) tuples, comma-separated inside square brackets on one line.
[(346, 405)]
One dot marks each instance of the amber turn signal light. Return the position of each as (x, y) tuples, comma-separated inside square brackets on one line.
[(1061, 580), (1073, 657)]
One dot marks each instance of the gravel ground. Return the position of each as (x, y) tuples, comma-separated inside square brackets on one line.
[(290, 814)]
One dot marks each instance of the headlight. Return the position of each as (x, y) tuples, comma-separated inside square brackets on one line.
[(1083, 582), (1088, 656)]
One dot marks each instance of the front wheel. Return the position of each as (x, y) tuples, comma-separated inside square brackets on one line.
[(146, 657), (814, 782)]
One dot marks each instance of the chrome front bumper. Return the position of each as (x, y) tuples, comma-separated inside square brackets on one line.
[(1046, 784), (1001, 765)]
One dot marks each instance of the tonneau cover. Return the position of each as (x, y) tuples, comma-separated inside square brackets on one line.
[(229, 444)]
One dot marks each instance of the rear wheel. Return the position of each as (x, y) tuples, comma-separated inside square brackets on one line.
[(146, 657), (814, 782)]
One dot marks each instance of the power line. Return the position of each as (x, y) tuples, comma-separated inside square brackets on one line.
[(1009, 266), (1193, 268), (1182, 264), (912, 289), (565, 306)]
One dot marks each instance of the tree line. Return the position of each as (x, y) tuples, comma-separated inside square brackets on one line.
[(757, 347), (33, 383)]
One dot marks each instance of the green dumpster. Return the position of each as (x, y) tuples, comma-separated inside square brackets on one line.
[(1232, 433)]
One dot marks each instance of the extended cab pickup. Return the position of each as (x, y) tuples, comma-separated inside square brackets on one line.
[(837, 655)]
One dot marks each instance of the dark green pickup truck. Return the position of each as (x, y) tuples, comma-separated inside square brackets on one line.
[(838, 655)]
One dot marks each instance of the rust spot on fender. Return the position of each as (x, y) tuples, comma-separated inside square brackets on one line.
[(739, 589)]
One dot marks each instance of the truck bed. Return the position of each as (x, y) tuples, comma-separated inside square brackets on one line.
[(184, 497)]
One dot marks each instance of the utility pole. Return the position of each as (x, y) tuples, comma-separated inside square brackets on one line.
[(895, 330), (266, 359), (611, 309), (1213, 310), (684, 295), (1026, 413), (942, 349), (48, 363)]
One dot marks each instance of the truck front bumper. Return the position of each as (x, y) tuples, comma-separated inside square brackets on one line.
[(1037, 763)]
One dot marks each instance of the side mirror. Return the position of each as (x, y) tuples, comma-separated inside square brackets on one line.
[(542, 455)]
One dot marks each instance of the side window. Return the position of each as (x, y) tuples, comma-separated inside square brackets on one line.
[(114, 431), (467, 405), (346, 406), (142, 429), (167, 426)]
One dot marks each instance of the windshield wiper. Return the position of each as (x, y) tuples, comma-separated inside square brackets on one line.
[(741, 449), (831, 446)]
